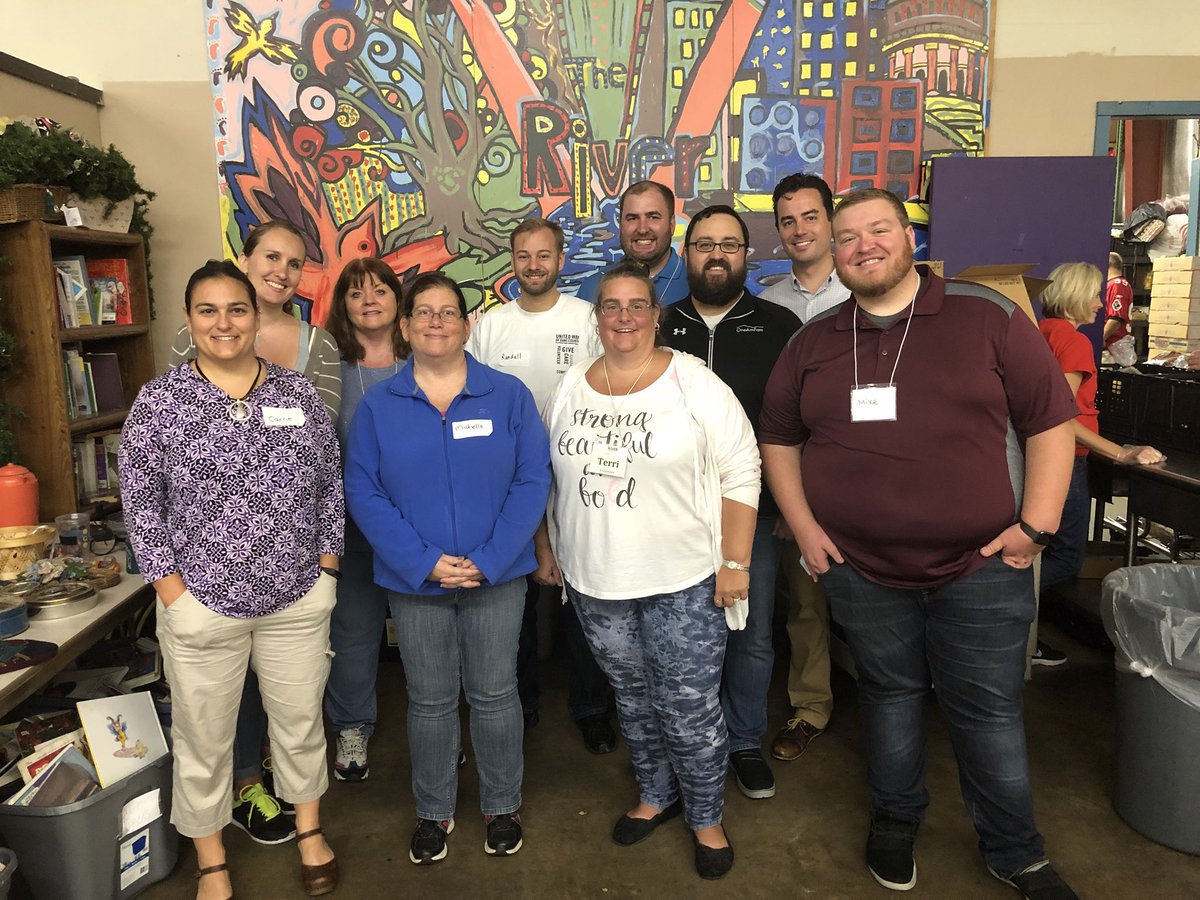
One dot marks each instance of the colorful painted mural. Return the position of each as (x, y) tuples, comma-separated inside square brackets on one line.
[(422, 131)]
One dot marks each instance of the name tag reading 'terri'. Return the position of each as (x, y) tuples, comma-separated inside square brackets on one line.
[(873, 403)]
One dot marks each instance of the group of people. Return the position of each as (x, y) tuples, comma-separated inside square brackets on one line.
[(654, 450)]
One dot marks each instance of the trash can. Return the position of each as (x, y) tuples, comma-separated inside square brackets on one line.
[(1152, 615), (113, 844)]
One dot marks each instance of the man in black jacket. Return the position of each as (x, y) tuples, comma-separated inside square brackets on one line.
[(739, 337)]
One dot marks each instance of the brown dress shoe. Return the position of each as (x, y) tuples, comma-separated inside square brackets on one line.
[(793, 739), (320, 879)]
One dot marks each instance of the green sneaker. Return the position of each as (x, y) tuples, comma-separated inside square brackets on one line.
[(257, 813)]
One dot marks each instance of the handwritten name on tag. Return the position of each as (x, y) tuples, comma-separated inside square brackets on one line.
[(873, 403), (282, 417), (469, 428)]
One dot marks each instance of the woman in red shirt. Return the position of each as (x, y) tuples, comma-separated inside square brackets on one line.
[(1069, 302)]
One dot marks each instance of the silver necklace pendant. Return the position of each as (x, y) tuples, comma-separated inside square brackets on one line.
[(239, 410)]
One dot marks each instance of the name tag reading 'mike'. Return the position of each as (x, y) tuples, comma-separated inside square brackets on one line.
[(873, 403), (470, 428)]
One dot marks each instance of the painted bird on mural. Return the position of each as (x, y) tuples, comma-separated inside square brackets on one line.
[(256, 39)]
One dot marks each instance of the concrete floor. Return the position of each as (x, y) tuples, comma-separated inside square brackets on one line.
[(806, 841)]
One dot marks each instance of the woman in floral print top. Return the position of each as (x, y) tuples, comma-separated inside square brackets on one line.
[(233, 498)]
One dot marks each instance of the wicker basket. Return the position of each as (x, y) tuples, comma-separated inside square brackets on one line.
[(21, 546), (24, 202)]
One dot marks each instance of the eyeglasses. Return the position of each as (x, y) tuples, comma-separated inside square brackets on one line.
[(611, 308), (424, 314), (706, 246)]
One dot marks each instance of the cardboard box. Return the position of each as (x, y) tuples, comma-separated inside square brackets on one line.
[(1182, 304), (1176, 332), (1177, 276), (1175, 316), (1172, 290), (1176, 263), (1157, 342), (1009, 280)]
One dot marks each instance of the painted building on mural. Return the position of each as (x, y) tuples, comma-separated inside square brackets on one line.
[(423, 131)]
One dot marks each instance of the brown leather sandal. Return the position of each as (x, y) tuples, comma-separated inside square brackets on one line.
[(318, 880), (213, 870)]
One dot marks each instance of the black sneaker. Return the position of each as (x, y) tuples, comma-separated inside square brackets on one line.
[(598, 735), (1045, 655), (504, 834), (1038, 882), (753, 775), (428, 844), (890, 852), (258, 814), (268, 777)]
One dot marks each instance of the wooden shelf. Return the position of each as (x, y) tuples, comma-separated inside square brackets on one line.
[(100, 332), (29, 312), (99, 422)]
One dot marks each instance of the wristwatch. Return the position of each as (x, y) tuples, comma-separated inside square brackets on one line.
[(1038, 537), (736, 566), (329, 570)]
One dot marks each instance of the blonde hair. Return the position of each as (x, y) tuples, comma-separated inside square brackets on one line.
[(1072, 288)]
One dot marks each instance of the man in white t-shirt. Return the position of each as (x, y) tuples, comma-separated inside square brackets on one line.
[(803, 210), (536, 338)]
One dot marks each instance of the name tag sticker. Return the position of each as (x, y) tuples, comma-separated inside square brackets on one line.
[(469, 428), (873, 403), (282, 417), (607, 456), (513, 359)]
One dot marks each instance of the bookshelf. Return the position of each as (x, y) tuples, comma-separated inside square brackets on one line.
[(29, 310)]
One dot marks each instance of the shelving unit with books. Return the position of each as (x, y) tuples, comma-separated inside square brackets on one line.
[(120, 357)]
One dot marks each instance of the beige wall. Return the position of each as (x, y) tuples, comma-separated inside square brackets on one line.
[(1053, 61), (157, 110)]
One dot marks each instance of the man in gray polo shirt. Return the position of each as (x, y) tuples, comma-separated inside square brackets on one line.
[(803, 208)]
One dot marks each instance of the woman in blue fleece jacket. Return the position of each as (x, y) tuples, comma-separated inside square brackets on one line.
[(447, 474)]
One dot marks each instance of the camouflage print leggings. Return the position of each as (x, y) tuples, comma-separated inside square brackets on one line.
[(663, 655)]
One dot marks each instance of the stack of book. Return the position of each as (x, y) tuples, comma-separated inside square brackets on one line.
[(1175, 304), (94, 457), (92, 383), (64, 757), (92, 291)]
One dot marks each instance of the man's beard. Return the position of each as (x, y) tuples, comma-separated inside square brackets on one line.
[(876, 284), (716, 295)]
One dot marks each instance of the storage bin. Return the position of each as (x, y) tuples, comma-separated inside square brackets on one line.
[(79, 851)]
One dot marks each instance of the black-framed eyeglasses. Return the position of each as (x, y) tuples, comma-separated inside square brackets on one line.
[(706, 246)]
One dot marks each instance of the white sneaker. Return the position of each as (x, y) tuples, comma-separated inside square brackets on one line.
[(351, 762)]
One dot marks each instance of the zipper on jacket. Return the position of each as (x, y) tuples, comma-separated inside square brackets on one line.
[(449, 475)]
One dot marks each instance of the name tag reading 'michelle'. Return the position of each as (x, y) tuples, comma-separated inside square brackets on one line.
[(873, 403), (282, 417), (469, 428)]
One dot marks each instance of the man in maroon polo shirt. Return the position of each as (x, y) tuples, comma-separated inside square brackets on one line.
[(917, 439)]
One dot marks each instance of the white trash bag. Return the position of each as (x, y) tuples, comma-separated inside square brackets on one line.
[(1152, 614)]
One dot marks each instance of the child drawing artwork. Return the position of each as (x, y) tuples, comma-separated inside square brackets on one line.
[(120, 731)]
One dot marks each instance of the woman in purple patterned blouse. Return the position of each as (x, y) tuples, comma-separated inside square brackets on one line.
[(233, 499)]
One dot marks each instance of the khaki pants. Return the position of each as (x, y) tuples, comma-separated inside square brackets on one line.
[(808, 634), (205, 656)]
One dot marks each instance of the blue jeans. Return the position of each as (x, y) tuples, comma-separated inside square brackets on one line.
[(587, 688), (465, 640), (967, 640), (1064, 555), (251, 732), (663, 656), (354, 635), (750, 655)]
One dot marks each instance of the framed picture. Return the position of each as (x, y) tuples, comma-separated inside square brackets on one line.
[(124, 734)]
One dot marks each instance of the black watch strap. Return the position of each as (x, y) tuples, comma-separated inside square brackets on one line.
[(1038, 537), (328, 570)]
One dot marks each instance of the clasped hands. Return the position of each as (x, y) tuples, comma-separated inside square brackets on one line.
[(453, 572)]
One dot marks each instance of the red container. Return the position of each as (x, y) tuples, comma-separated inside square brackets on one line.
[(18, 496)]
